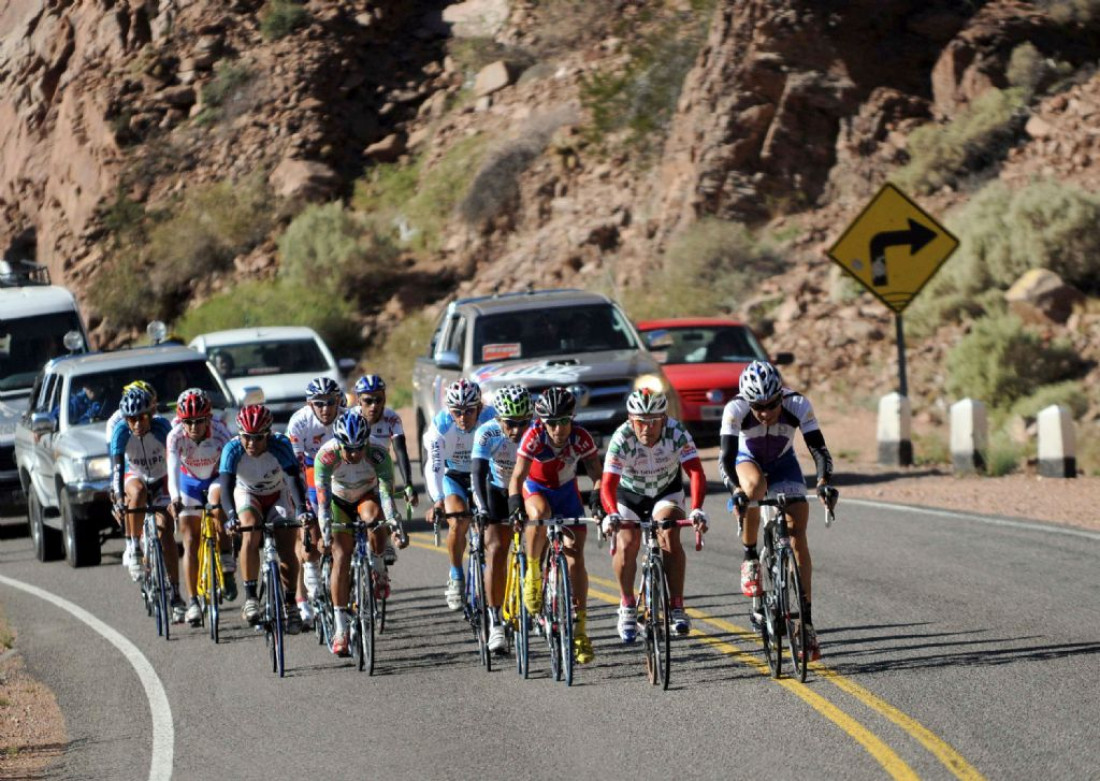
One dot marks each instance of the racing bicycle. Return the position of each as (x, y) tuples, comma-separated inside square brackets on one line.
[(211, 581), (517, 623)]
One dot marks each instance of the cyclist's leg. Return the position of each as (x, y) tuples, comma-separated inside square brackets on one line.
[(538, 509), (798, 516), (134, 489), (370, 510), (498, 537), (306, 580), (456, 533), (189, 523), (625, 561), (751, 479), (225, 542), (675, 560)]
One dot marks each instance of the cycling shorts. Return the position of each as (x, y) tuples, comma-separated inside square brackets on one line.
[(193, 490), (498, 504), (158, 489), (784, 475), (565, 501), (458, 484), (634, 507), (273, 507), (344, 511)]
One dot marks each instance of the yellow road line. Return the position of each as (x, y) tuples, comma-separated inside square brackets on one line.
[(893, 764)]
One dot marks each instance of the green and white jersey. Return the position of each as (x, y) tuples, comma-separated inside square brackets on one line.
[(647, 470)]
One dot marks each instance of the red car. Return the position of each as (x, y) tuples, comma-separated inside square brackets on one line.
[(703, 358)]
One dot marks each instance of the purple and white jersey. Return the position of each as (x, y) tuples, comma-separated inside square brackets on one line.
[(765, 444)]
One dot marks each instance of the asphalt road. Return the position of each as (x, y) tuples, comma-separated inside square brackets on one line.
[(952, 647)]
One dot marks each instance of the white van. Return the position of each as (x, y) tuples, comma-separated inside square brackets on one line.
[(34, 319)]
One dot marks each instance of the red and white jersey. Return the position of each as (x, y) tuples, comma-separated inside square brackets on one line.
[(551, 466), (307, 435), (387, 427), (195, 459)]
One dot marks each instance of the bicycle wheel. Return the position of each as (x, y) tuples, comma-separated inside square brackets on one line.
[(278, 610), (563, 602), (213, 588), (523, 631), (326, 618), (161, 589), (771, 632), (658, 635), (791, 608), (364, 600), (549, 618), (481, 611)]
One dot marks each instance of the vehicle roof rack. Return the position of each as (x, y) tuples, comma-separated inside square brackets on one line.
[(516, 294), (23, 273)]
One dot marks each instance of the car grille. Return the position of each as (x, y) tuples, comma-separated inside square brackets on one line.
[(700, 396)]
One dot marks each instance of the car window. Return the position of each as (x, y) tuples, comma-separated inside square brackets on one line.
[(549, 332), (95, 396), (457, 338), (48, 398), (256, 359), (711, 344), (26, 344)]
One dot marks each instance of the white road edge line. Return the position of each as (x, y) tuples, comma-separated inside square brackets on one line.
[(1036, 527), (160, 768)]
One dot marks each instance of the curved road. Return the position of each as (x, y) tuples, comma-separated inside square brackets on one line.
[(953, 648)]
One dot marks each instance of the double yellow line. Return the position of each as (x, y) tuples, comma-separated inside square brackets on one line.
[(893, 764)]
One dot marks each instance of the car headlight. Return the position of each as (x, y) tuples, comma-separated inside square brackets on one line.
[(98, 468)]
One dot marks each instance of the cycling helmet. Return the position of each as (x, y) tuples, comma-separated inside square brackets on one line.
[(760, 382), (254, 419), (512, 401), (135, 402), (645, 401), (143, 385), (322, 386), (556, 402), (193, 403), (462, 394), (370, 383), (351, 430)]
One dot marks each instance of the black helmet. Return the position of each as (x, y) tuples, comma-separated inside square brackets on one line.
[(556, 402)]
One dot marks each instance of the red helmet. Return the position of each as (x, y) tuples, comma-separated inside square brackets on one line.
[(254, 419), (193, 403)]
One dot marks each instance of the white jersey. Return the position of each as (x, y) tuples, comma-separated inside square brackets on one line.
[(448, 449), (197, 460), (388, 427), (265, 474), (766, 444), (307, 434), (649, 470)]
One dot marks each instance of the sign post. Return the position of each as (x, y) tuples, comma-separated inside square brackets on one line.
[(893, 248)]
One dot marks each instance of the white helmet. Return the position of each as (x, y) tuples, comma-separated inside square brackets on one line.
[(646, 402), (760, 382), (461, 394)]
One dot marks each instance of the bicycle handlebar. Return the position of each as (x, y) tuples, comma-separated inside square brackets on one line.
[(664, 523)]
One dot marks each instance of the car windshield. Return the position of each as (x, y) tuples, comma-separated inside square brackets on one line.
[(255, 359), (548, 332), (27, 343), (95, 397), (710, 344)]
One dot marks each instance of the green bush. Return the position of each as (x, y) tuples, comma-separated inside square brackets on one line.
[(1003, 456), (393, 358), (282, 17), (1000, 361), (229, 77), (931, 449), (123, 291), (977, 137), (329, 247), (276, 302), (708, 270), (1070, 393)]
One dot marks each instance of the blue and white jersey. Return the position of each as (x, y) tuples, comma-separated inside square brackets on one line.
[(765, 444), (494, 446), (146, 456), (265, 474), (448, 448), (112, 424)]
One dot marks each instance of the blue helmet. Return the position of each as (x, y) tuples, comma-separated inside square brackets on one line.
[(135, 402), (320, 387), (351, 429), (370, 383)]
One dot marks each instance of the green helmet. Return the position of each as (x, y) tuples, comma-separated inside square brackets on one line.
[(512, 401)]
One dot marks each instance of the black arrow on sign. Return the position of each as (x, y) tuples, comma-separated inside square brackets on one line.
[(916, 237)]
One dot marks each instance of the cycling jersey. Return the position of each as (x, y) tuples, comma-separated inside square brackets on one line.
[(551, 466), (495, 447), (448, 450), (350, 482), (146, 457), (307, 434), (264, 474), (115, 419), (649, 470), (192, 466), (388, 427)]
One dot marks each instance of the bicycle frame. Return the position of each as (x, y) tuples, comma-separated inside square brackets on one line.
[(475, 607), (273, 623), (155, 587), (513, 611), (211, 580)]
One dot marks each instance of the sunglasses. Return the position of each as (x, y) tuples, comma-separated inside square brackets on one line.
[(136, 418), (323, 403), (351, 451), (766, 406), (557, 421), (463, 411), (515, 422), (646, 421), (195, 421), (369, 401), (254, 437)]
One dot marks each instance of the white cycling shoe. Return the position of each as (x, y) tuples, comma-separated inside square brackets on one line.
[(498, 640), (453, 593), (628, 623)]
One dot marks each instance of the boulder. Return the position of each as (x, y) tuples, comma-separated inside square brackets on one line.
[(493, 77), (387, 150), (476, 18), (1041, 296), (303, 179)]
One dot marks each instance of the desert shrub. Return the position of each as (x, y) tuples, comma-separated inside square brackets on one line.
[(210, 226), (282, 17), (977, 137), (472, 54), (1003, 455), (1000, 361), (329, 247), (229, 77), (393, 356), (931, 448), (708, 270), (1070, 394), (276, 302), (123, 292)]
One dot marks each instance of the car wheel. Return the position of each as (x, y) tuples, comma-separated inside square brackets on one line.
[(47, 541), (81, 538)]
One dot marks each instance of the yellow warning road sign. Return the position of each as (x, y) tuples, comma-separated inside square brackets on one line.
[(893, 248)]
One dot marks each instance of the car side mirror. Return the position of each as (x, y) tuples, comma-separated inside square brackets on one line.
[(251, 395), (43, 423), (346, 364), (783, 359), (448, 360)]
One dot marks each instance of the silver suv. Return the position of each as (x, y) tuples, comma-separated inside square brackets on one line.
[(538, 339), (61, 441)]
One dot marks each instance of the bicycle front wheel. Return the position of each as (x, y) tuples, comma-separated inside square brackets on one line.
[(792, 602), (364, 600), (160, 590), (275, 612), (658, 635), (772, 629), (563, 606), (480, 615), (523, 630), (213, 588)]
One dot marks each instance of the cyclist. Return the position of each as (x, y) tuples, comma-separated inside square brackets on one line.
[(493, 459), (139, 479), (642, 475), (194, 450), (757, 459), (386, 430), (544, 484), (447, 446), (309, 428), (116, 416), (259, 481), (354, 481)]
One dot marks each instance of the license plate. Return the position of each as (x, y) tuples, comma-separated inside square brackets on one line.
[(711, 411)]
